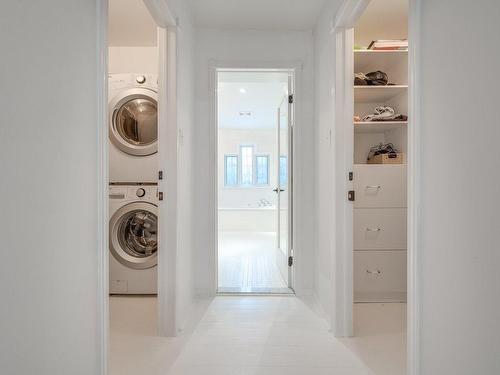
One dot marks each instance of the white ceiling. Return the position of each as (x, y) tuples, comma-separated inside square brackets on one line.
[(257, 14), (130, 24), (382, 19), (261, 96)]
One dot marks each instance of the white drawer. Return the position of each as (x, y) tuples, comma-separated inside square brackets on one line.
[(379, 229), (379, 276), (380, 185)]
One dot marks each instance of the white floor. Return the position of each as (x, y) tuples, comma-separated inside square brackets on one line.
[(247, 263), (380, 337), (255, 335)]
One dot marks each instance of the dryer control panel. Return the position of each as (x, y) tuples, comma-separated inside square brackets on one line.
[(134, 192)]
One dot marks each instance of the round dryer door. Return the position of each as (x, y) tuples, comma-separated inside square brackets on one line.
[(134, 121), (133, 238)]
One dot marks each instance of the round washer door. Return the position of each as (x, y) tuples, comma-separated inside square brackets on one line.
[(133, 237), (133, 123)]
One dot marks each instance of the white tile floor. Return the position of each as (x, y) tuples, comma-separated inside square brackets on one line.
[(254, 335), (247, 263)]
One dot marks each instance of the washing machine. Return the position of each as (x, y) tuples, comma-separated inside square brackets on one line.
[(133, 127), (133, 240)]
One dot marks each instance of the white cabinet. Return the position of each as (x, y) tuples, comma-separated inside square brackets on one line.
[(379, 276), (379, 233), (378, 186), (380, 204), (380, 229)]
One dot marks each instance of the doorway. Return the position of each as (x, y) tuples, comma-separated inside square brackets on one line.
[(378, 119), (254, 174)]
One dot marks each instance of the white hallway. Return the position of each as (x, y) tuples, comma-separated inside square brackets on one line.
[(255, 335)]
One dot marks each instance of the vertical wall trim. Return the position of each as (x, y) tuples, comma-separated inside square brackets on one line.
[(342, 161), (167, 151), (102, 186), (414, 191), (213, 149)]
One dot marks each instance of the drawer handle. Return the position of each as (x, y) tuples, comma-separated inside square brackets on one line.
[(378, 187), (373, 229), (376, 272)]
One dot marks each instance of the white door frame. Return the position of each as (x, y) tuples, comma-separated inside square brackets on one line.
[(341, 250), (167, 123), (214, 67)]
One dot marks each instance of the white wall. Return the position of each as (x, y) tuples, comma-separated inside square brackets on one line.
[(48, 168), (460, 207), (258, 46), (142, 60), (324, 79)]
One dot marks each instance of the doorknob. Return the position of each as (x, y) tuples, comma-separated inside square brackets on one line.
[(276, 190)]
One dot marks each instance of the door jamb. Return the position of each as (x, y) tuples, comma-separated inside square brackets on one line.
[(341, 280), (214, 67), (167, 26)]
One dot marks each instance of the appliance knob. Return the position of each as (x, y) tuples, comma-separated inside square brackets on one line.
[(140, 79), (140, 192)]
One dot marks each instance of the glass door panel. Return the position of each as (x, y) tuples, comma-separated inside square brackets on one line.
[(282, 187)]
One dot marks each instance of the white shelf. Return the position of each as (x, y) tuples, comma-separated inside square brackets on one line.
[(369, 60), (378, 94), (381, 52), (388, 297), (378, 126)]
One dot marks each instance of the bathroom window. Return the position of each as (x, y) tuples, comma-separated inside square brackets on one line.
[(247, 165), (262, 169), (230, 170), (283, 170)]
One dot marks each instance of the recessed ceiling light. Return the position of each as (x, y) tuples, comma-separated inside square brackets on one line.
[(243, 91)]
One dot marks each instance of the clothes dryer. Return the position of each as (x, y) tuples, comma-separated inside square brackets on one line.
[(133, 128)]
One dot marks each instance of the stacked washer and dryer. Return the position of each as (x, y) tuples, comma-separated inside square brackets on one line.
[(133, 191)]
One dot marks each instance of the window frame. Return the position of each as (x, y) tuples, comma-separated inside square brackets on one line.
[(226, 156), (268, 174)]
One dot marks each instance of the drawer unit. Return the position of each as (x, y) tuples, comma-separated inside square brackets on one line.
[(380, 186), (379, 229), (379, 276)]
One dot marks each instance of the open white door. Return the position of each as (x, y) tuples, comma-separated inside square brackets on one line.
[(283, 189)]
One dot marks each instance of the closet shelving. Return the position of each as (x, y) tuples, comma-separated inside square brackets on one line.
[(380, 208), (374, 94), (366, 98), (377, 127)]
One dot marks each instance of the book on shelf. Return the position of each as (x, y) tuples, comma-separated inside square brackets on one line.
[(389, 45)]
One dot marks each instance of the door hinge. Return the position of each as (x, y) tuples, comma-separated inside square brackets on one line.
[(160, 195), (290, 261), (290, 99), (351, 176), (160, 175), (351, 196)]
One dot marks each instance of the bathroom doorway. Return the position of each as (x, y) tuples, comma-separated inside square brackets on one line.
[(254, 164)]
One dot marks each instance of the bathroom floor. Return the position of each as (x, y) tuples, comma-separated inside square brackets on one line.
[(247, 263)]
